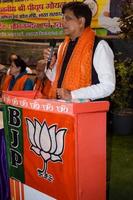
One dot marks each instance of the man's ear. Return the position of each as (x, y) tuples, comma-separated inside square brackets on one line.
[(82, 22)]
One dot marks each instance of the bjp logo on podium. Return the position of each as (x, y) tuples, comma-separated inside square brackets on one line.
[(47, 142)]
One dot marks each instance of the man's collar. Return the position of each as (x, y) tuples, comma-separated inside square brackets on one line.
[(75, 40)]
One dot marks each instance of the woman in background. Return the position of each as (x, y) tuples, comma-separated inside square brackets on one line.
[(18, 78)]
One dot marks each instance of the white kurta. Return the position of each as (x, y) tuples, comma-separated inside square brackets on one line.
[(103, 62)]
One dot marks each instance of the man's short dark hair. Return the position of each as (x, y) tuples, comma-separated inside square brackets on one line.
[(79, 9)]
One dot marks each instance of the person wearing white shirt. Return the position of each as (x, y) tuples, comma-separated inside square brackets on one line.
[(103, 62)]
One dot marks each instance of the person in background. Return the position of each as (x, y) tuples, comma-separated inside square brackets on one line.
[(42, 83), (92, 5), (40, 76), (2, 67), (3, 71), (18, 78), (14, 56), (76, 59), (110, 16), (52, 67)]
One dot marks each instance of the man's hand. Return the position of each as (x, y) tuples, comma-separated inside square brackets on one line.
[(46, 54), (63, 94)]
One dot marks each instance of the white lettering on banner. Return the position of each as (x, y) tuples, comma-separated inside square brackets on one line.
[(35, 105), (24, 103), (48, 107), (38, 104), (62, 108), (7, 99), (15, 102)]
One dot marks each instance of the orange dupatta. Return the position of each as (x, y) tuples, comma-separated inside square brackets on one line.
[(19, 85), (78, 72)]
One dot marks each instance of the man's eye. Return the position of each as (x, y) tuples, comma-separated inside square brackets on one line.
[(67, 18)]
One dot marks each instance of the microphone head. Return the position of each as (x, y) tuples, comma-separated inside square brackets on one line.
[(53, 43), (52, 46)]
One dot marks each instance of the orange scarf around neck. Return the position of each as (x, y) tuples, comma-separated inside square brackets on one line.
[(19, 85), (78, 71)]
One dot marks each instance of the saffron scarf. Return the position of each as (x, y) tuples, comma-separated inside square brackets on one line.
[(78, 72), (19, 85)]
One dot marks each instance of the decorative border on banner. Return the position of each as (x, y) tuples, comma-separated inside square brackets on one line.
[(39, 104)]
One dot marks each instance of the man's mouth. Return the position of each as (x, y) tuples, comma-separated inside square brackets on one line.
[(65, 29)]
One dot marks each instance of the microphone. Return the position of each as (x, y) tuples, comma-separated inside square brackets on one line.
[(52, 46)]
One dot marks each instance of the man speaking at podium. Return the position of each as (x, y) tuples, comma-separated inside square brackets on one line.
[(82, 71)]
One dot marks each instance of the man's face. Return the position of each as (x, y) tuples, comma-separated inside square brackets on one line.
[(72, 26), (14, 70), (40, 71)]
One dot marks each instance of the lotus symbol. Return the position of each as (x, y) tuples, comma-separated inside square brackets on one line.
[(47, 142)]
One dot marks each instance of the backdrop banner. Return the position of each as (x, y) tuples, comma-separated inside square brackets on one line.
[(28, 19)]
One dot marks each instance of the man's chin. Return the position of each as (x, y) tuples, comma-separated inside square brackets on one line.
[(66, 33)]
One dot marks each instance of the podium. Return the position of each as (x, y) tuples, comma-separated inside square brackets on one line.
[(57, 147)]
